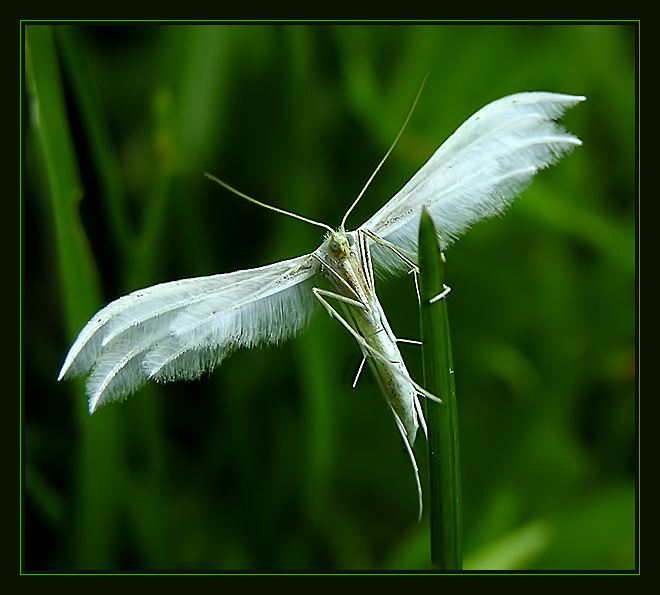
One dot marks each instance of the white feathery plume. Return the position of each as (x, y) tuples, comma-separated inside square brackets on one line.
[(178, 330), (477, 171)]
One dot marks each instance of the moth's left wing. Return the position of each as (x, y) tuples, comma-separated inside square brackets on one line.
[(476, 172), (180, 329)]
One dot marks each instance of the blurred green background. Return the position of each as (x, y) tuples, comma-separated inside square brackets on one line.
[(273, 462)]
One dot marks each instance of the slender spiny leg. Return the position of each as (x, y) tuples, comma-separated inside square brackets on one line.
[(419, 295), (376, 238), (411, 265), (357, 376), (366, 348), (404, 435), (420, 416), (341, 280), (320, 293), (441, 295), (368, 265)]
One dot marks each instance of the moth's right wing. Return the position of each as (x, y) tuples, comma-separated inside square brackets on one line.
[(476, 172), (180, 329)]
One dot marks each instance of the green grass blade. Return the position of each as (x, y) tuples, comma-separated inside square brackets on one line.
[(442, 419), (93, 510), (80, 279), (93, 121)]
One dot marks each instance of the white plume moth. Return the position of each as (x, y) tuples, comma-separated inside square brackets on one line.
[(179, 330)]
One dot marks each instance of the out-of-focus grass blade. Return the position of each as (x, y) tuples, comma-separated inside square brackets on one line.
[(49, 120), (93, 512), (101, 153), (444, 454)]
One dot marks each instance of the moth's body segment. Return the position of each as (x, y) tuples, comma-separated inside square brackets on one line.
[(346, 263), (347, 267)]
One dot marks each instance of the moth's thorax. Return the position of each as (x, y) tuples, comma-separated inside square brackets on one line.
[(344, 264)]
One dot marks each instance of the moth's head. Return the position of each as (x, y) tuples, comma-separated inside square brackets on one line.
[(338, 243)]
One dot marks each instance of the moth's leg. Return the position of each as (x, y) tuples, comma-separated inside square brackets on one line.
[(441, 295), (318, 292), (322, 293), (357, 375), (367, 349), (411, 265), (419, 295), (414, 269), (341, 280), (338, 316), (446, 289), (368, 265), (404, 435), (395, 250), (364, 358), (420, 416)]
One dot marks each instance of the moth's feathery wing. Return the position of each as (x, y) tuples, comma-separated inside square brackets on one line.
[(476, 172), (183, 328)]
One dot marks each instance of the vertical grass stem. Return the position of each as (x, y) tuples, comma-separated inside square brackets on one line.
[(442, 418)]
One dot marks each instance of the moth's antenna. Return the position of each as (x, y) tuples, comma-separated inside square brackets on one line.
[(373, 175), (264, 205)]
